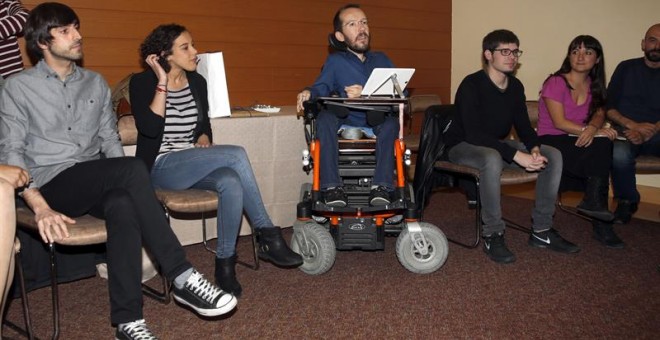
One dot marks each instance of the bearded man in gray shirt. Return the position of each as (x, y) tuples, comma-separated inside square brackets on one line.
[(56, 121)]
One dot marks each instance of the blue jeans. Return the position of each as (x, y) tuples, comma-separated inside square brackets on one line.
[(624, 183), (490, 165), (221, 168), (327, 124)]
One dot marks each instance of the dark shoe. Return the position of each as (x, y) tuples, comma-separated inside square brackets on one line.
[(594, 203), (604, 233), (273, 248), (624, 211), (335, 197), (204, 297), (379, 196), (136, 330), (496, 249), (225, 276), (552, 240)]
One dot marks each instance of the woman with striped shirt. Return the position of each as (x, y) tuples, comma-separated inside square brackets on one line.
[(170, 105)]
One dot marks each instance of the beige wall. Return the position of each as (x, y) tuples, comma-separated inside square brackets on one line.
[(545, 28)]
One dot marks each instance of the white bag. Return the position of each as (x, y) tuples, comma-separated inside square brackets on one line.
[(212, 67)]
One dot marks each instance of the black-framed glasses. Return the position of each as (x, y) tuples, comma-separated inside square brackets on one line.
[(507, 52), (357, 23)]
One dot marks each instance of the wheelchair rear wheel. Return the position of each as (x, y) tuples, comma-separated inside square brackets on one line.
[(422, 252), (314, 243)]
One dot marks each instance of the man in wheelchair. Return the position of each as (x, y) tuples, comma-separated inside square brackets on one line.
[(343, 75)]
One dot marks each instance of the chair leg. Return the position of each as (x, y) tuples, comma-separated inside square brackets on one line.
[(568, 210), (27, 332), (204, 238), (54, 292), (255, 252), (164, 297), (477, 223)]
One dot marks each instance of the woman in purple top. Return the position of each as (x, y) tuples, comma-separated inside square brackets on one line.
[(572, 117)]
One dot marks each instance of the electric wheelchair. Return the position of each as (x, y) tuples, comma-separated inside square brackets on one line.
[(320, 229)]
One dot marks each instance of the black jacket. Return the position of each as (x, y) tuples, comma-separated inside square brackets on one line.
[(150, 126), (437, 120)]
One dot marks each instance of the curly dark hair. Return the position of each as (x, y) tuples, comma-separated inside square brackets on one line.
[(160, 42)]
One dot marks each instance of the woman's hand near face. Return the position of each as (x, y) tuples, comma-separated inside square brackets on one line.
[(152, 61)]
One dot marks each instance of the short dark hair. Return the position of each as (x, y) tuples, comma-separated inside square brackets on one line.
[(336, 22), (41, 20), (160, 42), (493, 39)]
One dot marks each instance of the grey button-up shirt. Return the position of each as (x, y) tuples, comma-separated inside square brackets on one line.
[(48, 125)]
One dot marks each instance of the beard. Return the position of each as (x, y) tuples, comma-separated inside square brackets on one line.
[(360, 47), (66, 54), (652, 55)]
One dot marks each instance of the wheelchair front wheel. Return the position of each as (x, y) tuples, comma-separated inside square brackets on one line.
[(422, 252), (314, 243)]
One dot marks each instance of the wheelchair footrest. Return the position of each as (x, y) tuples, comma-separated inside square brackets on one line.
[(358, 234)]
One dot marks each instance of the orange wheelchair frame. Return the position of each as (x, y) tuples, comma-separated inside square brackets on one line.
[(320, 229)]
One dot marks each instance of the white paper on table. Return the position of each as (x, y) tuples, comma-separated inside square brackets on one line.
[(212, 67)]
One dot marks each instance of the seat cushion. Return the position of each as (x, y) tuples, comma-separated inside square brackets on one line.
[(87, 229), (189, 200)]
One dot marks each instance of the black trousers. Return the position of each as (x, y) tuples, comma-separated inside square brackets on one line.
[(119, 191), (580, 162)]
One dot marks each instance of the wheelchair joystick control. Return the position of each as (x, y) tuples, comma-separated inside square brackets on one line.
[(406, 157)]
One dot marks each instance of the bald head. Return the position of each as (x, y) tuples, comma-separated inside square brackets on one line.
[(653, 30), (651, 46)]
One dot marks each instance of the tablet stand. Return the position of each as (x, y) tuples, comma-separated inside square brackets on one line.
[(397, 87)]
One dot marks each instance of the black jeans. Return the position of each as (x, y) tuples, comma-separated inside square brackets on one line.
[(119, 191)]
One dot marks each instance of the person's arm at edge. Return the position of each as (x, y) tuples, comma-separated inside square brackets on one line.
[(15, 20)]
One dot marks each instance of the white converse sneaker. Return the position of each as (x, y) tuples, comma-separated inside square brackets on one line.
[(203, 296), (136, 330)]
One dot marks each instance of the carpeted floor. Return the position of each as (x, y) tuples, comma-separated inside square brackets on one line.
[(597, 293)]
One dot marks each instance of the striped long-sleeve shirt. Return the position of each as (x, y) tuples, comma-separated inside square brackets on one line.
[(12, 19)]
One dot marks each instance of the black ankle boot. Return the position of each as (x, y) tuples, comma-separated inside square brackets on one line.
[(273, 248), (594, 203), (225, 276), (604, 233)]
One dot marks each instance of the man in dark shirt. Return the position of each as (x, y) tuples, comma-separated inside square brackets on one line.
[(344, 73), (489, 103), (633, 100), (56, 120)]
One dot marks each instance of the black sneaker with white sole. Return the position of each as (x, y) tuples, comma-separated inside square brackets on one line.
[(496, 249), (379, 196), (136, 330), (552, 240), (335, 197), (204, 297)]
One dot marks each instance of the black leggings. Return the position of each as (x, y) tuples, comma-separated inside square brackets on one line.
[(580, 162)]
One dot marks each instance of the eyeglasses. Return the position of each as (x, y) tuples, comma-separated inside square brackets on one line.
[(357, 23), (507, 52)]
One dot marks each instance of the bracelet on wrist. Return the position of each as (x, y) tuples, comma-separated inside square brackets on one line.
[(161, 89)]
